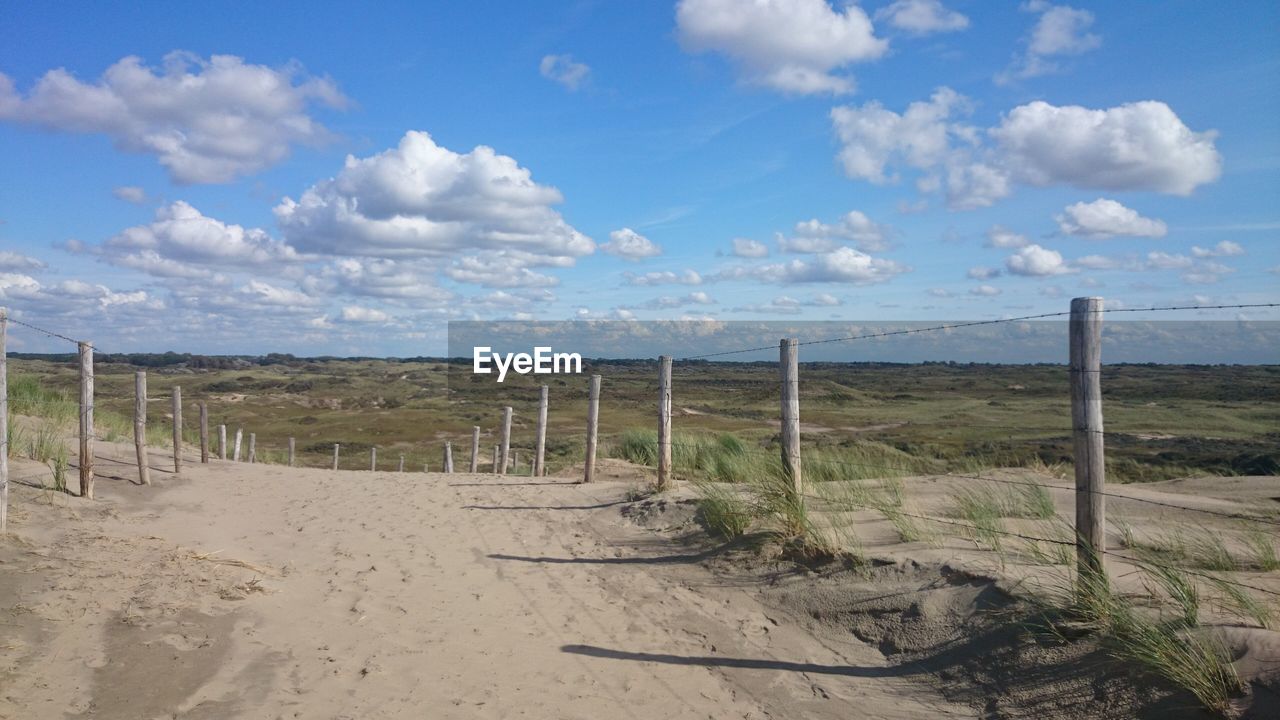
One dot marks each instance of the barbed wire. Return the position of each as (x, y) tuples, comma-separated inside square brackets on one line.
[(50, 333)]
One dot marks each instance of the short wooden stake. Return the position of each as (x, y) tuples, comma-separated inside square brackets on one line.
[(335, 456), (401, 468), (448, 457), (177, 429), (515, 461), (506, 438), (497, 450), (86, 420), (1086, 419), (253, 447), (292, 448), (789, 366), (4, 422), (140, 425), (222, 442), (204, 433), (664, 422), (373, 459), (540, 454), (593, 420), (475, 448), (235, 454)]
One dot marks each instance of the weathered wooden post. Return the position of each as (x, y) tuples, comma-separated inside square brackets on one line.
[(204, 433), (292, 449), (373, 459), (789, 365), (177, 429), (140, 425), (4, 422), (475, 448), (235, 454), (664, 422), (506, 438), (335, 456), (222, 442), (593, 418), (253, 447), (401, 468), (515, 461), (1086, 420), (497, 450), (86, 420), (448, 457), (540, 453)]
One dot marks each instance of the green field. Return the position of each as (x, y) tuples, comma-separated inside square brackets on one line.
[(1162, 420)]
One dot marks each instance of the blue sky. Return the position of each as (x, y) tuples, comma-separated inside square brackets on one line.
[(221, 178)]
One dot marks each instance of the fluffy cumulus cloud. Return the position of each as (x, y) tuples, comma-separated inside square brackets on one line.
[(664, 277), (183, 242), (1060, 30), (844, 265), (1036, 261), (982, 273), (1105, 218), (748, 248), (1225, 248), (1138, 146), (358, 314), (922, 17), (630, 245), (796, 46), (812, 236), (372, 277), (985, 291), (10, 260), (130, 194), (73, 298), (420, 200), (207, 121), (1000, 236), (564, 70)]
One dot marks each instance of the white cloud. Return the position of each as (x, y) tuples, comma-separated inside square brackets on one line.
[(1105, 218), (1138, 146), (1225, 248), (748, 248), (630, 245), (263, 293), (208, 121), (985, 291), (372, 277), (1060, 30), (357, 314), (1035, 261), (982, 273), (564, 70), (420, 200), (939, 292), (842, 265), (795, 46), (499, 270), (10, 260), (825, 300), (130, 193), (182, 242), (667, 302), (922, 17), (872, 136), (1000, 236), (664, 277), (812, 236)]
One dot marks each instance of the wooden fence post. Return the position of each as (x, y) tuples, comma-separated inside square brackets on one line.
[(475, 448), (1086, 421), (664, 422), (506, 438), (789, 365), (140, 425), (204, 433), (253, 447), (401, 469), (496, 453), (222, 441), (448, 457), (235, 454), (515, 461), (177, 429), (335, 456), (540, 454), (593, 419), (4, 422), (86, 420), (373, 459), (292, 449)]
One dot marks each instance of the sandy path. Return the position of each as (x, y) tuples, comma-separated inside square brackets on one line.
[(394, 596)]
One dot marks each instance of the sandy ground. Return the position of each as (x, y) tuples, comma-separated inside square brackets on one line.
[(259, 591)]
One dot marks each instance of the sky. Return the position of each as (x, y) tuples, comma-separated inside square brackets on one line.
[(238, 178)]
